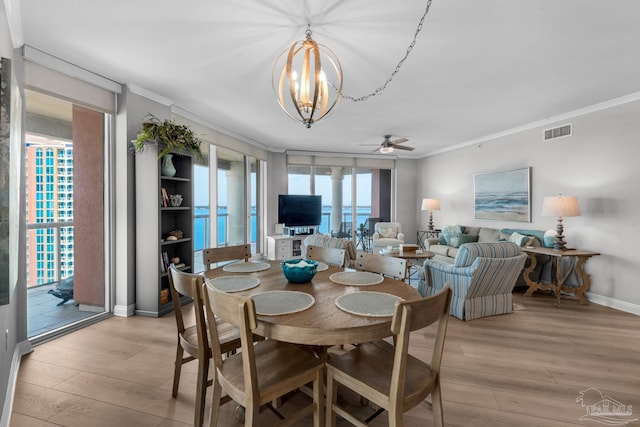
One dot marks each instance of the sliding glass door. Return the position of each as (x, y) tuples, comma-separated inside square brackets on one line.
[(65, 209)]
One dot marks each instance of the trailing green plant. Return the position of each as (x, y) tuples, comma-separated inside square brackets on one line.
[(173, 135)]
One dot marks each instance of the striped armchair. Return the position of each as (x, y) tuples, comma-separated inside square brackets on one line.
[(482, 278)]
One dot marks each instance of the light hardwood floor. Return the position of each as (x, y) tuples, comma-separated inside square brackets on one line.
[(522, 369)]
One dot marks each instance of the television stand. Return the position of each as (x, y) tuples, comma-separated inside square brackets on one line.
[(284, 247), (302, 231)]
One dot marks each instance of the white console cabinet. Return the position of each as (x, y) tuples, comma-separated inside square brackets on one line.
[(284, 247)]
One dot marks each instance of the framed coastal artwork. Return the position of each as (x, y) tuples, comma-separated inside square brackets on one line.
[(503, 195)]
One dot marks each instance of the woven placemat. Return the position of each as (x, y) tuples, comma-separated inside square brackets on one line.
[(234, 283), (356, 278), (276, 303), (322, 266), (246, 267), (370, 304)]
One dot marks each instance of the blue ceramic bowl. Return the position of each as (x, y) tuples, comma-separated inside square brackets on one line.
[(299, 270)]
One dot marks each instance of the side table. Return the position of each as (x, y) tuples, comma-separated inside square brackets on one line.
[(557, 284), (421, 235), (414, 260)]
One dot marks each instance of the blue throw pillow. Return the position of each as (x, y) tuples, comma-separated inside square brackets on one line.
[(451, 233)]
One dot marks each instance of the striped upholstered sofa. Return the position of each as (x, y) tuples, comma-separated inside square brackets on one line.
[(482, 278), (331, 242)]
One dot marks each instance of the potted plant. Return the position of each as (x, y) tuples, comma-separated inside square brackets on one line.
[(171, 134)]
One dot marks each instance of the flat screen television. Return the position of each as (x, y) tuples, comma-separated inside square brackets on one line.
[(299, 210)]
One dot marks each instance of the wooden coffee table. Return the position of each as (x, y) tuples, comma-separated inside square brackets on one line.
[(414, 259)]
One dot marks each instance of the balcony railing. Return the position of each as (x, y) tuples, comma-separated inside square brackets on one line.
[(202, 226), (63, 266)]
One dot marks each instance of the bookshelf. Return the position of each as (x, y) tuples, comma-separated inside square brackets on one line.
[(164, 229)]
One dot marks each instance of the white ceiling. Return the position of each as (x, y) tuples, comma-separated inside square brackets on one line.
[(478, 68)]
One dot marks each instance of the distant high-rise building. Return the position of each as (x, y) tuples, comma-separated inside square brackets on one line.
[(49, 172)]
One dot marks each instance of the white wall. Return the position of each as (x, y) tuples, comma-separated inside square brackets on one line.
[(598, 163), (407, 204), (13, 328)]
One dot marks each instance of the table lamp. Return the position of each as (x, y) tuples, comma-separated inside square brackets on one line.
[(560, 206), (430, 205)]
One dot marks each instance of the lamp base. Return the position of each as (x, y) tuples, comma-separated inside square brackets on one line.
[(559, 244), (430, 227)]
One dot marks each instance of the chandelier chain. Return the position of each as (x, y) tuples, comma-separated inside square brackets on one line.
[(381, 89)]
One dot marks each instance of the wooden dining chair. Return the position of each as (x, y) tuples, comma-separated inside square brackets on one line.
[(194, 339), (225, 253), (262, 372), (381, 264), (386, 374), (332, 256)]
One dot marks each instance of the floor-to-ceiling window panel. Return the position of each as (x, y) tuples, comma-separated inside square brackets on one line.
[(231, 203), (65, 181), (299, 179), (254, 206), (351, 193), (201, 208)]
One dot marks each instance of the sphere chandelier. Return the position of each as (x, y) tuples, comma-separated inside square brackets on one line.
[(301, 78)]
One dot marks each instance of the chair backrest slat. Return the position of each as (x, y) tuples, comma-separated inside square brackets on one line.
[(415, 315), (225, 253), (190, 285), (332, 256), (238, 311), (381, 264)]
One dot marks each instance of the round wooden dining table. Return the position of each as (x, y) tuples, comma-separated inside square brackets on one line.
[(322, 324)]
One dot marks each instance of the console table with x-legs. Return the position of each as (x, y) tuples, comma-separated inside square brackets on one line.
[(557, 283)]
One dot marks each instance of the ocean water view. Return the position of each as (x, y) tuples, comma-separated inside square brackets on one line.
[(201, 222), (502, 205)]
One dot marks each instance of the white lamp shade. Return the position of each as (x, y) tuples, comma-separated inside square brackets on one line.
[(560, 206), (430, 204)]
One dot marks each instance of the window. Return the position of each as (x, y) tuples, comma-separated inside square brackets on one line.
[(352, 189)]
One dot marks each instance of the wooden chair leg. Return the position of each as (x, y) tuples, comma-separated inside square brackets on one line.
[(318, 397), (176, 371), (332, 395), (201, 391), (251, 416), (215, 404), (436, 405)]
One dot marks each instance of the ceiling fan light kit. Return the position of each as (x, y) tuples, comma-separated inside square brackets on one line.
[(386, 150), (388, 145)]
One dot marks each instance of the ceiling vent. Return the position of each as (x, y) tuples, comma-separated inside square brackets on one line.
[(559, 132)]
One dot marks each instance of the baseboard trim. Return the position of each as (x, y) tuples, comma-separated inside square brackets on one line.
[(23, 347), (614, 303), (124, 310)]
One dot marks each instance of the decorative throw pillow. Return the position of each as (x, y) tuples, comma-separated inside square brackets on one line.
[(450, 232), (442, 240), (387, 232), (519, 239), (534, 241), (466, 238)]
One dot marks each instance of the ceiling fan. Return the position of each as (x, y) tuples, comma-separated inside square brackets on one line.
[(387, 145)]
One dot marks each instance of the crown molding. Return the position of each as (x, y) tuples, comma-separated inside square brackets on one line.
[(542, 123), (138, 90)]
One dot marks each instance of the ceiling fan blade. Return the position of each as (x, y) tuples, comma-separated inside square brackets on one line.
[(399, 141), (402, 147)]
